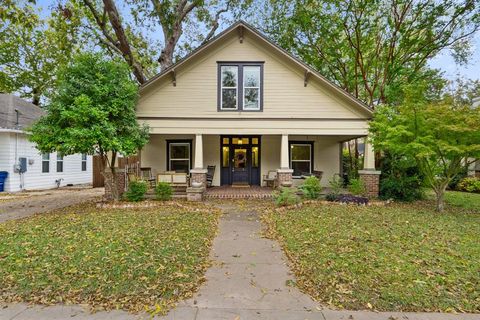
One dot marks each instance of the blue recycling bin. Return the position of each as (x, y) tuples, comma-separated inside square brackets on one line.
[(3, 177)]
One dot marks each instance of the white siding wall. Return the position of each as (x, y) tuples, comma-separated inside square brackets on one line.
[(34, 178)]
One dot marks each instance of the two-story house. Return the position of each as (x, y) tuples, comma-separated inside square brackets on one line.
[(246, 106)]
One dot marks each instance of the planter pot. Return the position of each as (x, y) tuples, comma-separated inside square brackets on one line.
[(196, 184)]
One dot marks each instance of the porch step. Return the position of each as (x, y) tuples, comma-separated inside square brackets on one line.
[(228, 192)]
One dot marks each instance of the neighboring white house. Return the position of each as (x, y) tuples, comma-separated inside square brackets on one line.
[(27, 168)]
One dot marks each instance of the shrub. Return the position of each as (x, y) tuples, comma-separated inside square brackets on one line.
[(400, 179), (136, 191), (469, 184), (336, 185), (458, 178), (163, 191), (356, 187), (286, 197), (311, 188)]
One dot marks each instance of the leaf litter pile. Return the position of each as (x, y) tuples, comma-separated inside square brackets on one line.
[(132, 259), (404, 257)]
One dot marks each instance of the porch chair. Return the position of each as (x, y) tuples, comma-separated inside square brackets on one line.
[(210, 174), (270, 179), (146, 175)]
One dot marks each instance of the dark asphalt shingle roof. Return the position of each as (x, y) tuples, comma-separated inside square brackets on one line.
[(28, 113)]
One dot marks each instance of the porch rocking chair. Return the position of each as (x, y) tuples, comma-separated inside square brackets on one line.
[(210, 174), (270, 179)]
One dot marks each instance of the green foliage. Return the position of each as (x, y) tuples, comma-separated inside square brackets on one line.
[(286, 197), (356, 187), (469, 184), (33, 49), (400, 179), (311, 188), (439, 136), (371, 48), (335, 186), (136, 191), (92, 110), (152, 256), (417, 253), (163, 191)]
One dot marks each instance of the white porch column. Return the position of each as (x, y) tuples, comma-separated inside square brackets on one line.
[(198, 179), (370, 176), (284, 174), (369, 156), (198, 152), (284, 162)]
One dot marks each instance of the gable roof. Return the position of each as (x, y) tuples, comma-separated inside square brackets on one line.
[(242, 24), (28, 113)]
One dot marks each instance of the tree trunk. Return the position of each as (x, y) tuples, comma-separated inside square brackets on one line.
[(111, 179), (440, 195)]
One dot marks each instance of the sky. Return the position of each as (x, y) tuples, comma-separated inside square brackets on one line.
[(442, 61)]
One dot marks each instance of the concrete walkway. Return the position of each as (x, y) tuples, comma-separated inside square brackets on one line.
[(249, 280), (30, 203)]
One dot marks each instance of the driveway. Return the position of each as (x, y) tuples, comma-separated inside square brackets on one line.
[(24, 204)]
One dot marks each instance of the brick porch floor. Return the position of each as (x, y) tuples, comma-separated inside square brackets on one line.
[(229, 192)]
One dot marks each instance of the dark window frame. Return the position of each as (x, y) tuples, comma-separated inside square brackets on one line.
[(240, 89), (189, 141), (312, 152), (46, 161)]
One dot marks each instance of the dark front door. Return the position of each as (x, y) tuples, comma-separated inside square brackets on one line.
[(240, 165), (240, 159)]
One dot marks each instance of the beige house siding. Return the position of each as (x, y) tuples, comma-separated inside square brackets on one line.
[(326, 153), (285, 96)]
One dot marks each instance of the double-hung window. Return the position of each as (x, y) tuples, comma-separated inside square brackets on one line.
[(179, 155), (45, 162), (84, 162), (301, 158), (59, 163), (240, 86)]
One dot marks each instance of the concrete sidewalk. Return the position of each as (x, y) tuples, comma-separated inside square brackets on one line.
[(248, 280)]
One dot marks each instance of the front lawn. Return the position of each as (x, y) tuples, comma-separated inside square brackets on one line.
[(463, 199), (404, 257), (108, 258)]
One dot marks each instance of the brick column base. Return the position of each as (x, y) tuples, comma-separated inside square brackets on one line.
[(120, 173), (371, 180), (284, 177), (195, 194), (198, 176)]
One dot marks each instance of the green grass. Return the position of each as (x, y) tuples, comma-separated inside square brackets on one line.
[(107, 258), (463, 199), (404, 257)]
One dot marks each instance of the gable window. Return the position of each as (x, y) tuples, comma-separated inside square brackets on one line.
[(301, 157), (45, 163), (84, 162), (179, 155), (59, 163), (240, 86)]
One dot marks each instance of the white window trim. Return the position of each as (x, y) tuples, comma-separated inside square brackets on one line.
[(309, 161), (259, 88), (222, 87), (46, 160), (178, 159), (84, 161), (56, 164)]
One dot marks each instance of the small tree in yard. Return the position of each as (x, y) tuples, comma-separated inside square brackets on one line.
[(438, 136), (92, 111)]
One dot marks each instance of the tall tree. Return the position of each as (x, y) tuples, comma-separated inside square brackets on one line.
[(122, 29), (93, 111), (371, 47), (440, 137), (32, 49)]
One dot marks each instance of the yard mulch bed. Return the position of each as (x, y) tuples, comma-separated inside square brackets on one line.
[(402, 257), (135, 259)]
